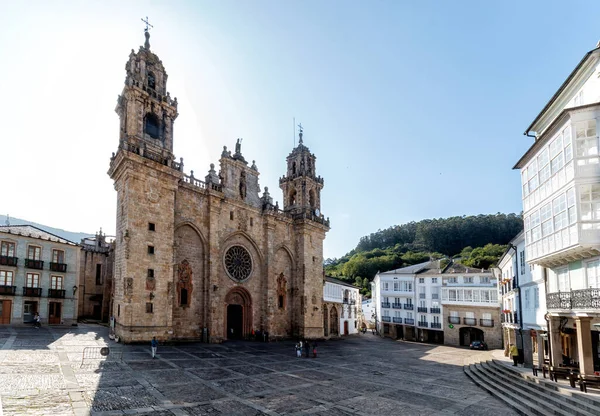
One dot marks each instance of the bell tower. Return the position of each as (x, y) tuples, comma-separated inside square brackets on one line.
[(301, 186), (145, 107)]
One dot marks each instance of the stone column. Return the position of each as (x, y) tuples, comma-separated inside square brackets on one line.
[(527, 349), (554, 339), (584, 345), (540, 351)]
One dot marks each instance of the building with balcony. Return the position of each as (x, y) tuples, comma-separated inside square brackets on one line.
[(393, 294), (522, 293), (560, 179), (428, 285), (96, 272), (368, 313), (470, 306), (38, 273), (342, 312)]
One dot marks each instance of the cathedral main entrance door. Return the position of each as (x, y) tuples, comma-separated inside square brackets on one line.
[(235, 319), (238, 308)]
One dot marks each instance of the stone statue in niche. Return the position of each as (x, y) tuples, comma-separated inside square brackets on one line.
[(184, 283), (128, 289), (150, 283)]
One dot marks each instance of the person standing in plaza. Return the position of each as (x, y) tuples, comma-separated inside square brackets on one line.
[(153, 346), (37, 322), (514, 353), (299, 349), (307, 348)]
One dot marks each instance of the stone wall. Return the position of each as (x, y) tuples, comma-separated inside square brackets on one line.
[(492, 335)]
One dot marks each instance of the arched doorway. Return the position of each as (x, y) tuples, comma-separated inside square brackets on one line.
[(238, 312), (334, 323), (325, 321), (469, 334), (345, 327)]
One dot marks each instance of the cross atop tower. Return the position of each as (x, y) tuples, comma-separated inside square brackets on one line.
[(147, 33), (148, 25)]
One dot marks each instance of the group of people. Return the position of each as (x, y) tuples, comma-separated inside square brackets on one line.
[(306, 345)]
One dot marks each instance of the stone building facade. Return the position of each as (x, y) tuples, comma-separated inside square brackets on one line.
[(95, 277), (211, 259)]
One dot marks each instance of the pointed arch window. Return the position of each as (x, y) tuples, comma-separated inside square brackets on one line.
[(151, 80), (151, 125), (293, 197)]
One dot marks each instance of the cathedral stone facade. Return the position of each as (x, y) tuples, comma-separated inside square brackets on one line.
[(208, 259)]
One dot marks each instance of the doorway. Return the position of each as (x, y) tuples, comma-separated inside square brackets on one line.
[(5, 309), (235, 319), (469, 334), (29, 310), (54, 313), (345, 327)]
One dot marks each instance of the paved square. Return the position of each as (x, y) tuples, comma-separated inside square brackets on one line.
[(42, 373)]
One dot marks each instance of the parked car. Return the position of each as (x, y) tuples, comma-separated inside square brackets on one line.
[(478, 345)]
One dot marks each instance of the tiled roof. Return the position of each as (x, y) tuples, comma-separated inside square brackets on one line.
[(33, 232), (415, 268), (340, 282)]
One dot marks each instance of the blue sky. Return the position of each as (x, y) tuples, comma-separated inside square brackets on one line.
[(414, 109)]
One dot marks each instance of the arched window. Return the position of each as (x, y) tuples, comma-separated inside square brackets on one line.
[(151, 80), (293, 197), (151, 126), (183, 298)]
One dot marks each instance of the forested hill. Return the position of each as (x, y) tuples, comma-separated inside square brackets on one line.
[(479, 241), (446, 235)]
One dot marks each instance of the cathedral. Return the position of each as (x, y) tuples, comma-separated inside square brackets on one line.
[(210, 259)]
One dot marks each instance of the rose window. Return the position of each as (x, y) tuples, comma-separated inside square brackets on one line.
[(238, 263)]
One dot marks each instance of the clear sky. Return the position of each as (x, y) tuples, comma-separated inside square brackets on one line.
[(414, 109)]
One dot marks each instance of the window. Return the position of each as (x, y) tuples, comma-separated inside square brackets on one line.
[(231, 215), (452, 294), (592, 271), (151, 80), (385, 285), (484, 279), (150, 249), (409, 315), (468, 279), (280, 302), (34, 253), (468, 295), (252, 225), (536, 297), (118, 310), (98, 274), (436, 319), (454, 314), (586, 141), (149, 307), (434, 280), (564, 285), (421, 280), (151, 126), (470, 315), (522, 260), (151, 273), (7, 249), (590, 202), (6, 278), (396, 286), (559, 206), (58, 256), (527, 302), (56, 282), (486, 315), (151, 226), (452, 280), (32, 280)]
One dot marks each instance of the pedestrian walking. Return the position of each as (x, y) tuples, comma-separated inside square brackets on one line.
[(514, 353), (153, 346), (37, 321), (299, 349), (307, 348)]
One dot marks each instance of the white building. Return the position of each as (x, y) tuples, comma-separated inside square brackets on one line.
[(517, 276), (38, 273), (341, 312), (368, 313), (560, 178)]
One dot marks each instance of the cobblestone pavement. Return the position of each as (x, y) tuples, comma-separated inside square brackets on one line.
[(42, 373)]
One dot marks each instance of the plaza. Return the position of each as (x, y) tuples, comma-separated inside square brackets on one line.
[(42, 371)]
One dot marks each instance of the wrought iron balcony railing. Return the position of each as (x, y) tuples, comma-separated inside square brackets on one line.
[(435, 310), (409, 306), (397, 320), (32, 291), (58, 267), (486, 322), (34, 264), (422, 309), (470, 321), (436, 325), (423, 324), (56, 293), (396, 306), (454, 319), (385, 304), (386, 319), (574, 299), (8, 261), (409, 321), (8, 290)]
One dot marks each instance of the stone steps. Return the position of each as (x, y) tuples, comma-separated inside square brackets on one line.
[(528, 394)]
